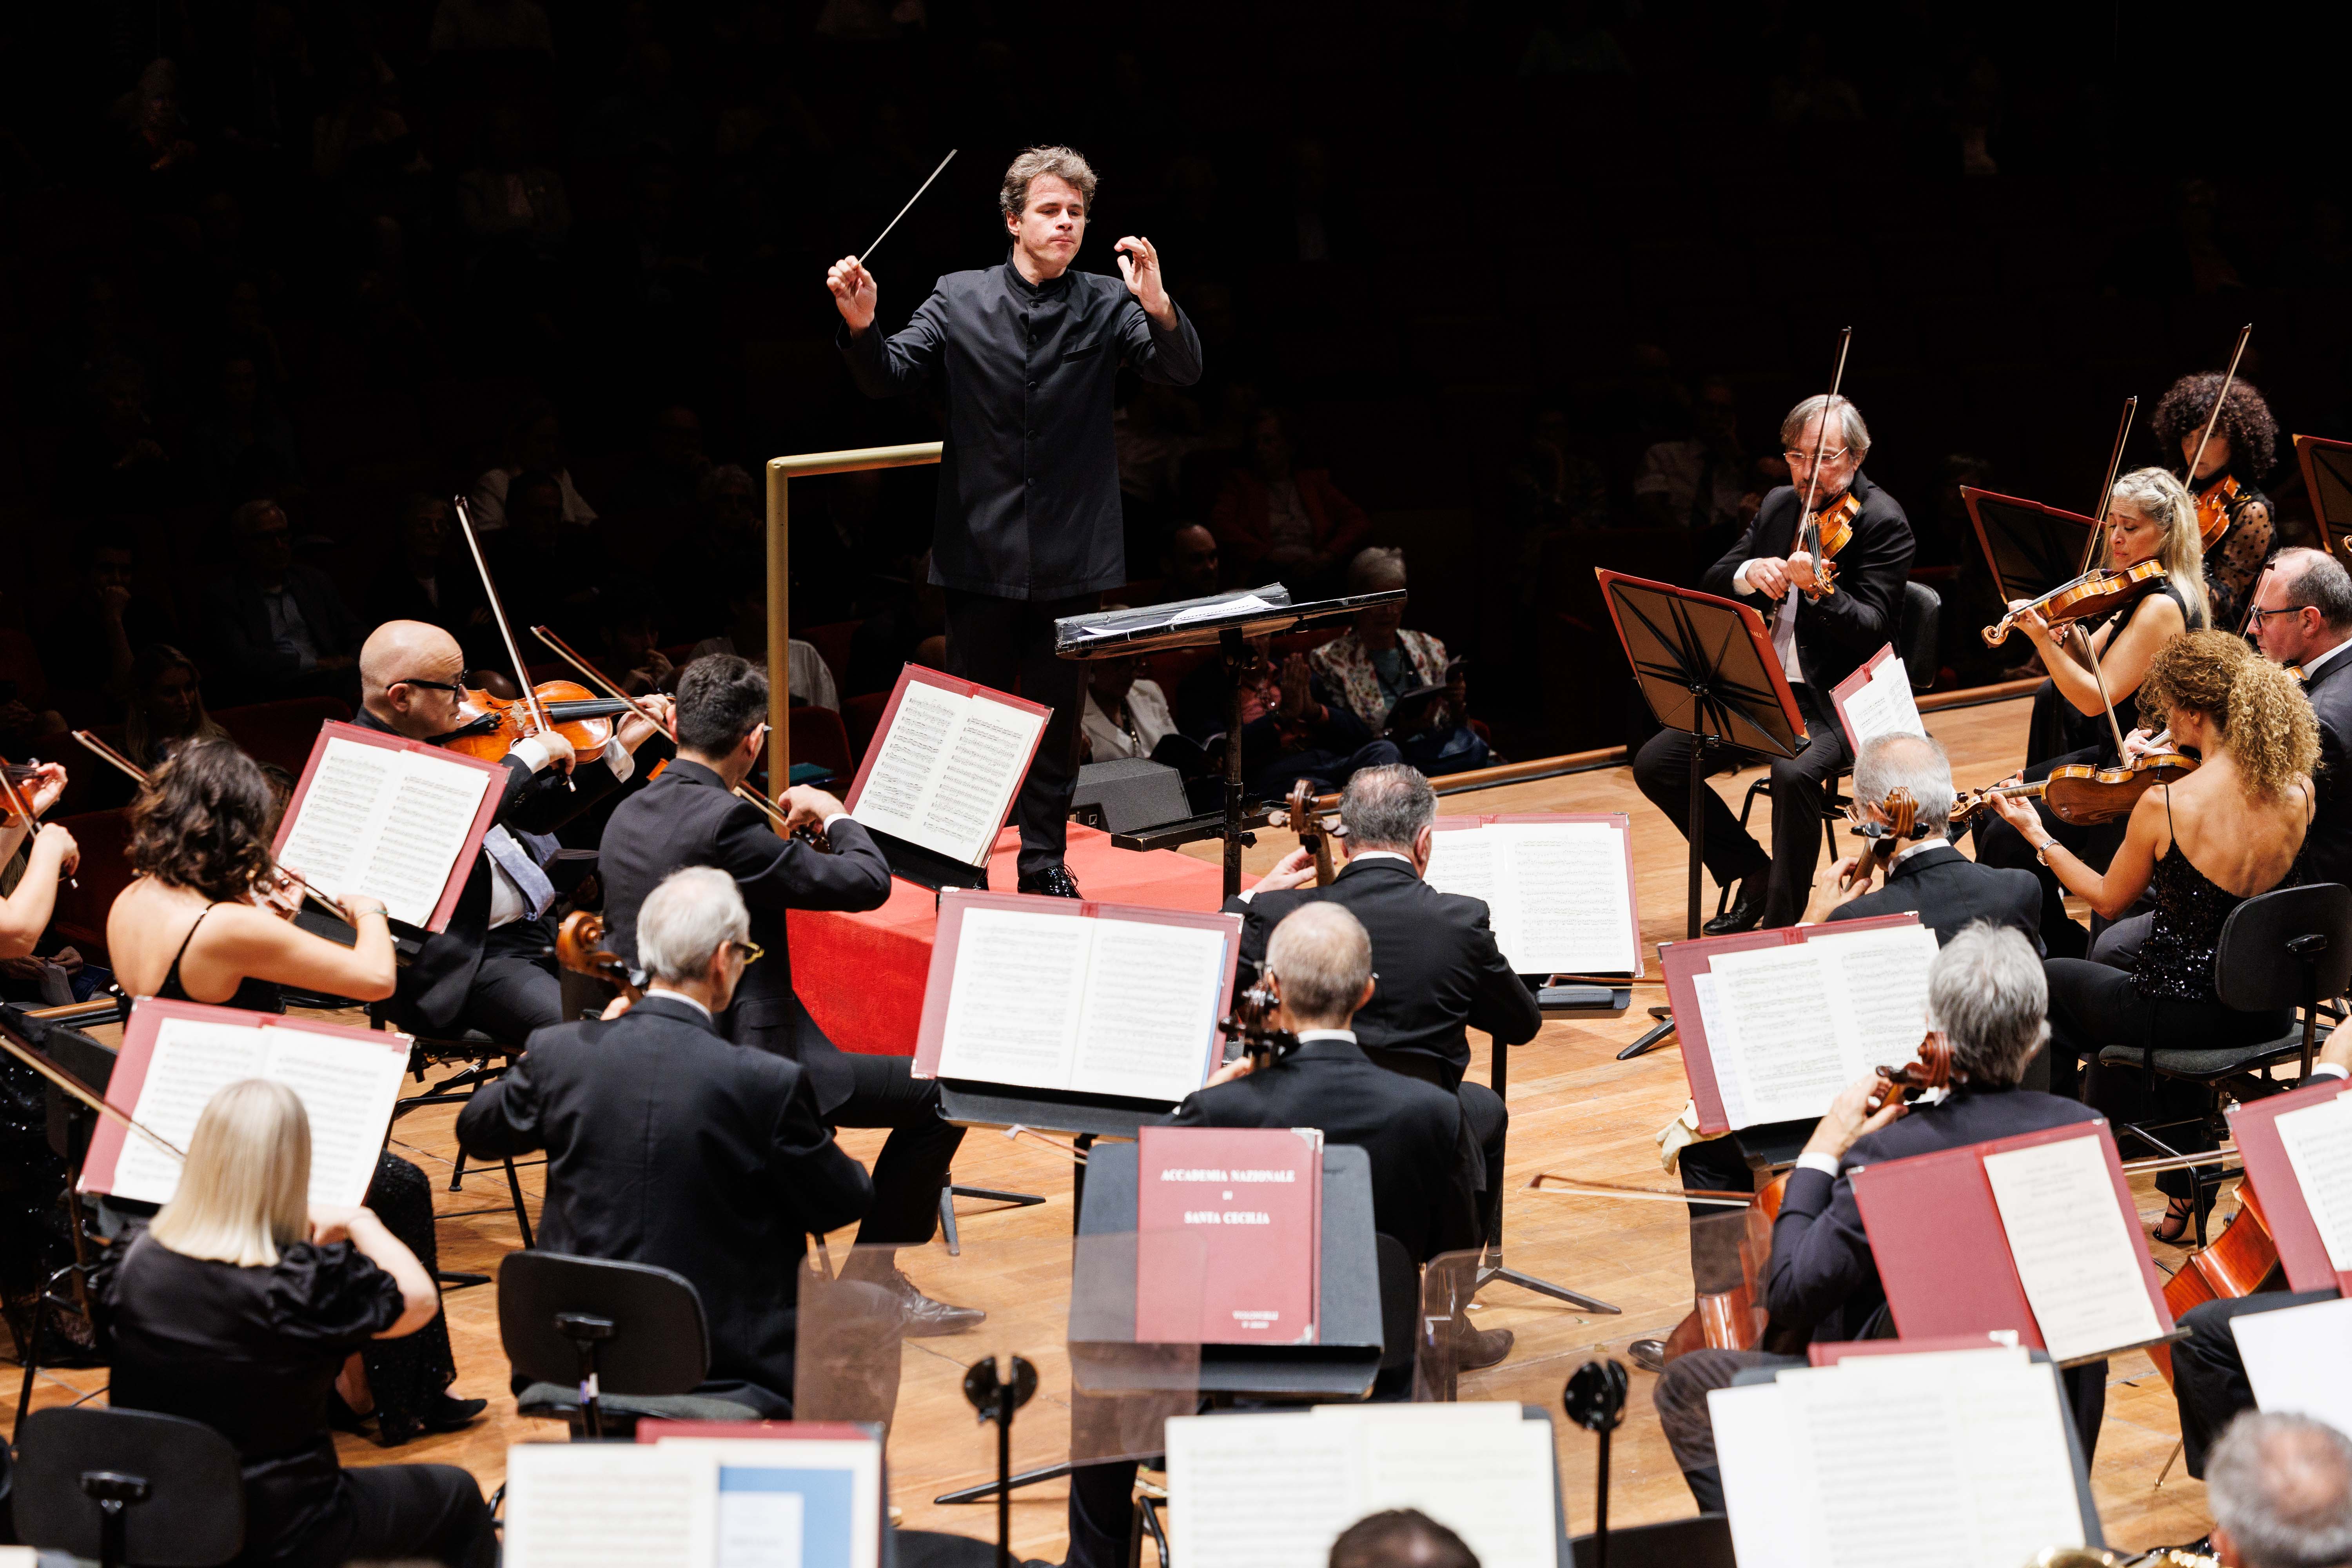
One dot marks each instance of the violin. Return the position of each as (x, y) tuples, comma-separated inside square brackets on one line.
[(2095, 593), (2082, 794), (2216, 503), (1825, 531), (1300, 814), (19, 806), (493, 724), (1252, 1023), (580, 948), (1902, 810), (1931, 1070)]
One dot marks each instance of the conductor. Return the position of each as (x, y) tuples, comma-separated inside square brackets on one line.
[(1023, 357)]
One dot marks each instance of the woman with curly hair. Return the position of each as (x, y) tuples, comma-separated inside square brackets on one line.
[(2197, 850), (187, 930), (2228, 475)]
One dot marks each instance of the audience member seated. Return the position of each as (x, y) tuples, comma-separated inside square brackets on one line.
[(1553, 487), (1286, 523), (909, 629), (1926, 875), (534, 442), (281, 628), (430, 577), (1126, 716), (667, 1145), (1290, 729), (1375, 662), (167, 710), (550, 570), (745, 581), (2280, 1488), (1400, 1537), (1151, 433), (2303, 616), (1188, 567), (245, 448), (235, 1307), (1987, 997), (727, 527), (1319, 964), (1703, 483), (189, 928), (116, 463), (54, 856), (98, 630), (628, 641), (666, 477), (2197, 850)]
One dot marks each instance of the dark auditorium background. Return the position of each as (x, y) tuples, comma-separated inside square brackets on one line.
[(1479, 258)]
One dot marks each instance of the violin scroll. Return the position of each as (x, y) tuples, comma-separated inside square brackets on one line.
[(2092, 593), (1932, 1070), (580, 948)]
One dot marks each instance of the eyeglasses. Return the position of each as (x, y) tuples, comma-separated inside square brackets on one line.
[(2256, 620), (1834, 454), (432, 685), (752, 951)]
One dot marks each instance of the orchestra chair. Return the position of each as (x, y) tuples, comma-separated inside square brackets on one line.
[(1917, 630), (628, 1335), (860, 717), (950, 1192), (1704, 1541), (477, 1049), (2291, 947), (818, 736), (129, 1485), (66, 1292)]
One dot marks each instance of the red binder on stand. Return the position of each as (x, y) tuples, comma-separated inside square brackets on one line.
[(1944, 1255), (1870, 703), (1682, 962), (2270, 1171)]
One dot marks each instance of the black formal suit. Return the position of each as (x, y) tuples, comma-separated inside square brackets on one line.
[(1440, 975), (689, 818), (668, 1145), (1834, 634), (2327, 845), (1949, 891), (500, 981)]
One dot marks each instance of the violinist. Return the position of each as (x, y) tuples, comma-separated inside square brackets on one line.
[(1986, 995), (1926, 874), (2228, 482), (2303, 616), (53, 855), (2150, 518), (1820, 641), (2198, 848), (489, 969)]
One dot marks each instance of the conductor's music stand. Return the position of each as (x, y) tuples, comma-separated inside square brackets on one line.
[(2032, 548), (2327, 479), (1706, 666), (1227, 622)]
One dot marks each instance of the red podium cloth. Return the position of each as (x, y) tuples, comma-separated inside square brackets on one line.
[(862, 976)]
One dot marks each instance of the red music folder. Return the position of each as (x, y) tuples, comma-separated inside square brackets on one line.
[(1829, 1352), (1119, 1000), (1682, 962), (1876, 700), (945, 763), (176, 1055), (1254, 1195), (1945, 1259), (1550, 909), (2271, 1171), (396, 820)]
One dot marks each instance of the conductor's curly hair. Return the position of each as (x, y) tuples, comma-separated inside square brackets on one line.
[(2265, 721), (2245, 423), (203, 821)]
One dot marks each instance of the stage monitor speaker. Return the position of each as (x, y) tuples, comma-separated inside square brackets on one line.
[(1130, 795)]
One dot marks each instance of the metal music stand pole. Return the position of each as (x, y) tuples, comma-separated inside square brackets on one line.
[(1234, 650)]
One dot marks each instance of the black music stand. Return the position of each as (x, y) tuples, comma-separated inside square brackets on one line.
[(1706, 666), (2327, 479), (1226, 621), (2032, 548)]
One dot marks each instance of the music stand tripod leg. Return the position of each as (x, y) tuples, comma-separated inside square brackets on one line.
[(1498, 1072), (1236, 655)]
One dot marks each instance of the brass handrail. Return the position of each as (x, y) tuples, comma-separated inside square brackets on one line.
[(781, 471)]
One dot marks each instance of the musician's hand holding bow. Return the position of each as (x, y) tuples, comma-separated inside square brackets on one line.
[(805, 806), (559, 754), (1851, 1119), (854, 294), (1294, 869), (42, 790), (637, 728)]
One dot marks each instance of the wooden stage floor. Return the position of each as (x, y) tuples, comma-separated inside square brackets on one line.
[(1574, 1107)]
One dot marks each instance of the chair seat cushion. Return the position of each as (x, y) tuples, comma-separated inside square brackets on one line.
[(2208, 1064), (560, 1402)]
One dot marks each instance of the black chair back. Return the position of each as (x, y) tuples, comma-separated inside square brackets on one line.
[(1701, 1542), (129, 1485), (2281, 947), (1919, 628), (1400, 1302), (637, 1329)]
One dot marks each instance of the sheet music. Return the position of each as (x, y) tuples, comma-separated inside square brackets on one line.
[(947, 770), (1149, 1009), (388, 823), (2318, 1140), (192, 1060), (920, 734), (1012, 1011), (337, 811), (1556, 893), (1467, 861), (794, 1502), (592, 1505), (2299, 1359), (1260, 1490), (1489, 1482), (1771, 1030), (1727, 1085), (2077, 1261), (347, 1088), (1763, 1492), (1884, 705), (1878, 993), (1246, 602)]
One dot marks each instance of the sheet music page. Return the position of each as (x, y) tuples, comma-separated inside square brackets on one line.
[(794, 1503), (1148, 1008), (1248, 602), (1877, 993), (2318, 1140), (1491, 1482), (1777, 1031), (424, 829), (1012, 1009), (1570, 904), (2299, 1359), (2079, 1264), (1260, 1490), (193, 1060), (348, 1087), (983, 767), (595, 1505), (1727, 1087), (899, 785), (1883, 706), (340, 813), (1761, 1487), (1469, 861)]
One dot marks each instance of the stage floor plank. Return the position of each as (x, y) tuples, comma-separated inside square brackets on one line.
[(1574, 1108)]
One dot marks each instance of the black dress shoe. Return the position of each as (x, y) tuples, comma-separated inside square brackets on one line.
[(1053, 881), (1475, 1350), (1746, 911), (1650, 1355), (927, 1319), (447, 1415)]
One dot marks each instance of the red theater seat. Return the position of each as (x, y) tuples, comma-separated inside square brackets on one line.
[(832, 643), (282, 733), (861, 716), (819, 736), (81, 917)]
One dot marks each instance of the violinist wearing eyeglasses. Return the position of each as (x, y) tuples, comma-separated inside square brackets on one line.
[(1824, 623)]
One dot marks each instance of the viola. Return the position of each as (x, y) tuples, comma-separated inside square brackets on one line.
[(1931, 1070), (2093, 594), (1301, 815), (493, 724), (580, 948), (1902, 810), (1824, 533), (19, 807), (2215, 505), (2082, 794), (2238, 1262), (2214, 500)]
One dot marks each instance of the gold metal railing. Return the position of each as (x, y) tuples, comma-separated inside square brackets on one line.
[(781, 472)]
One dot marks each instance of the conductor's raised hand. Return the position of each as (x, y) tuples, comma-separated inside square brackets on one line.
[(853, 294), (1138, 263)]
